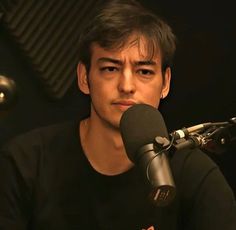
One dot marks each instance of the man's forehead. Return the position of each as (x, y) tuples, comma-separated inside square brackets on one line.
[(147, 49)]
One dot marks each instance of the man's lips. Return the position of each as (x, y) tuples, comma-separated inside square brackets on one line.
[(124, 104)]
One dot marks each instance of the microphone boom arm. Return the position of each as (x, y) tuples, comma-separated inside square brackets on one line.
[(213, 137)]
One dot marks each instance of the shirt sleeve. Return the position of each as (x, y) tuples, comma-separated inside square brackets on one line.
[(210, 202), (214, 207)]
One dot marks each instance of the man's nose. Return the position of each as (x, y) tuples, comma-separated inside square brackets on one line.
[(127, 83)]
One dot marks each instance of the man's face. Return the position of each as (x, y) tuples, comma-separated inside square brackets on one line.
[(121, 78)]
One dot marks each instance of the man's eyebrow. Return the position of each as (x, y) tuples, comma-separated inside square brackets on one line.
[(119, 62), (112, 60), (148, 62)]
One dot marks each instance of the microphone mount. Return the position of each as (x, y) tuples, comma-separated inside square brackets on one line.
[(212, 136)]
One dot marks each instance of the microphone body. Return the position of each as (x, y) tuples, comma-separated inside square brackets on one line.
[(140, 125), (155, 166)]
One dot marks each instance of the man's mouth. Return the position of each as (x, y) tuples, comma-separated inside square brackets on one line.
[(124, 104)]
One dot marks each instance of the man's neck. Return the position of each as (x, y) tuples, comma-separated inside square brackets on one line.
[(103, 147)]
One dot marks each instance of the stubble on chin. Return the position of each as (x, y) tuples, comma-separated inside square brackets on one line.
[(109, 120)]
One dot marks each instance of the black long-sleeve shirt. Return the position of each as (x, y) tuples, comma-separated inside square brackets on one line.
[(46, 182)]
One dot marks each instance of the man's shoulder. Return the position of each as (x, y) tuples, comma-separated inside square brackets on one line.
[(191, 166), (194, 160), (43, 136)]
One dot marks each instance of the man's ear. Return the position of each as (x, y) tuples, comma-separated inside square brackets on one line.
[(82, 78), (166, 83)]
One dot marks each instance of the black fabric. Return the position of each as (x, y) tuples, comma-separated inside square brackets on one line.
[(46, 182)]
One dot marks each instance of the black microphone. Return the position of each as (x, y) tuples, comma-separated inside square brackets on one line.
[(145, 139)]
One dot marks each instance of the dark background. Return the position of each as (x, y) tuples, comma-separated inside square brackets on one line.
[(203, 78)]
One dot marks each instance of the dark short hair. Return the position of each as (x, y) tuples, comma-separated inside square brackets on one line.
[(116, 20)]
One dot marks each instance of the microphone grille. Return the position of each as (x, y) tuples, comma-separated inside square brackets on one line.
[(139, 125)]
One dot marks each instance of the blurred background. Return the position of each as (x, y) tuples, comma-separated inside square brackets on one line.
[(38, 58)]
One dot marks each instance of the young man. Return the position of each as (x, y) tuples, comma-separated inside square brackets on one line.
[(77, 175)]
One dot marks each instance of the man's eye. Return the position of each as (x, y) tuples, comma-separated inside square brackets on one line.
[(109, 69), (145, 72)]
